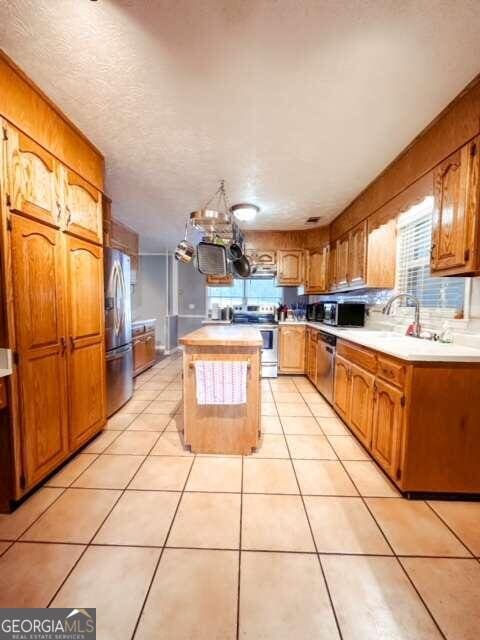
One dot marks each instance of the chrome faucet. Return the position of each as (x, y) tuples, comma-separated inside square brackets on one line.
[(416, 325)]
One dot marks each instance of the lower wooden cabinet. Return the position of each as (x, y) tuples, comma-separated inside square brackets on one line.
[(311, 345), (144, 351), (341, 396), (57, 289), (387, 426), (292, 349), (361, 403)]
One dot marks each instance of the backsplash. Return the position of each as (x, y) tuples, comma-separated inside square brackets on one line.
[(465, 331)]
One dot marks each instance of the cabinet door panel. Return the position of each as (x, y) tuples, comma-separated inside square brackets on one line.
[(86, 362), (341, 262), (341, 395), (40, 331), (357, 255), (292, 349), (455, 216), (290, 267), (361, 404), (31, 179), (387, 426), (317, 271), (83, 206)]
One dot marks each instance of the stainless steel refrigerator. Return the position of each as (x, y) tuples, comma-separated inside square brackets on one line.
[(118, 329)]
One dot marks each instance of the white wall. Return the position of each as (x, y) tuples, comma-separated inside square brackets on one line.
[(149, 297)]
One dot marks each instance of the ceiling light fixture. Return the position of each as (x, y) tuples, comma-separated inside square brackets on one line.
[(245, 212)]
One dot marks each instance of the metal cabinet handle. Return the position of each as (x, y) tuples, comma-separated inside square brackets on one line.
[(59, 211), (69, 214), (63, 345), (72, 343)]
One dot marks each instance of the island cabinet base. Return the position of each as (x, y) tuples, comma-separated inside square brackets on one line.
[(227, 429)]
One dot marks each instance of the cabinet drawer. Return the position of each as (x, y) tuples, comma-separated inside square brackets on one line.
[(392, 371), (358, 355)]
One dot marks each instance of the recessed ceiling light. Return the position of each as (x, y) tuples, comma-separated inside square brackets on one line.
[(244, 211)]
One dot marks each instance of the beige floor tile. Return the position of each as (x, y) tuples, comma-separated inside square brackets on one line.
[(134, 406), (271, 446), (344, 525), (283, 596), (120, 421), (71, 470), (268, 476), (287, 396), (215, 474), (75, 516), (271, 424), (321, 410), (115, 581), (175, 424), (109, 472), (323, 477), (463, 518), (156, 385), (369, 480), (133, 442), (268, 409), (31, 573), (374, 600), (267, 396), (4, 546), (140, 518), (12, 525), (163, 407), (171, 443), (150, 422), (413, 529), (280, 385), (275, 523), (181, 607), (101, 442), (146, 394), (162, 473), (333, 427), (451, 590), (304, 385), (310, 447), (207, 520), (306, 425), (170, 394), (347, 448), (297, 409), (313, 397)]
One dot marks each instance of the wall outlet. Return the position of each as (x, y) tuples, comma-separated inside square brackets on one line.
[(191, 306)]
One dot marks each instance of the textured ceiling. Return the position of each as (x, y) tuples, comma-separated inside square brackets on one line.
[(298, 104)]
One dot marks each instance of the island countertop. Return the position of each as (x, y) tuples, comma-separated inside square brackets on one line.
[(223, 336)]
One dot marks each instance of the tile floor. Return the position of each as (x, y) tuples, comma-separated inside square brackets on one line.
[(304, 539)]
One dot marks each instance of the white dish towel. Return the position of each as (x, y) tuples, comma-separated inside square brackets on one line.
[(221, 382)]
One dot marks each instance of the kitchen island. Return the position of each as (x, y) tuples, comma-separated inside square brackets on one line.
[(222, 428)]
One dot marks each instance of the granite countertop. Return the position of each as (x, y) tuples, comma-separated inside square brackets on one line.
[(216, 322), (144, 321), (223, 336), (398, 345)]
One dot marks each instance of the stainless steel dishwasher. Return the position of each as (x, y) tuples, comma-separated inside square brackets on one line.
[(326, 364)]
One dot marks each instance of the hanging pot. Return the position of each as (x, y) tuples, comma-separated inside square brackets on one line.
[(242, 267), (185, 250)]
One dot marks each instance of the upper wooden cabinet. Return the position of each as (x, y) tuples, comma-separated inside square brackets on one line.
[(292, 349), (455, 244), (37, 270), (316, 270), (264, 258), (83, 207), (290, 267), (118, 236), (341, 263), (357, 255), (32, 187)]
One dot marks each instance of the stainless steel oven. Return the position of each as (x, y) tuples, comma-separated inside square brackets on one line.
[(269, 351), (326, 347)]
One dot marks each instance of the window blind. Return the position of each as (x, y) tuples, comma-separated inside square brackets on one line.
[(442, 296)]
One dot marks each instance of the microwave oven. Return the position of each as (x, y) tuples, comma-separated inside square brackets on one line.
[(315, 312), (344, 314)]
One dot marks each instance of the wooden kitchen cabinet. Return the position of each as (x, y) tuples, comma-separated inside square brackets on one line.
[(361, 403), (316, 270), (290, 267), (144, 347), (120, 236), (86, 361), (455, 232), (387, 426), (341, 395), (311, 344), (341, 263), (83, 207), (262, 258), (37, 271), (357, 255), (32, 184), (292, 349)]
